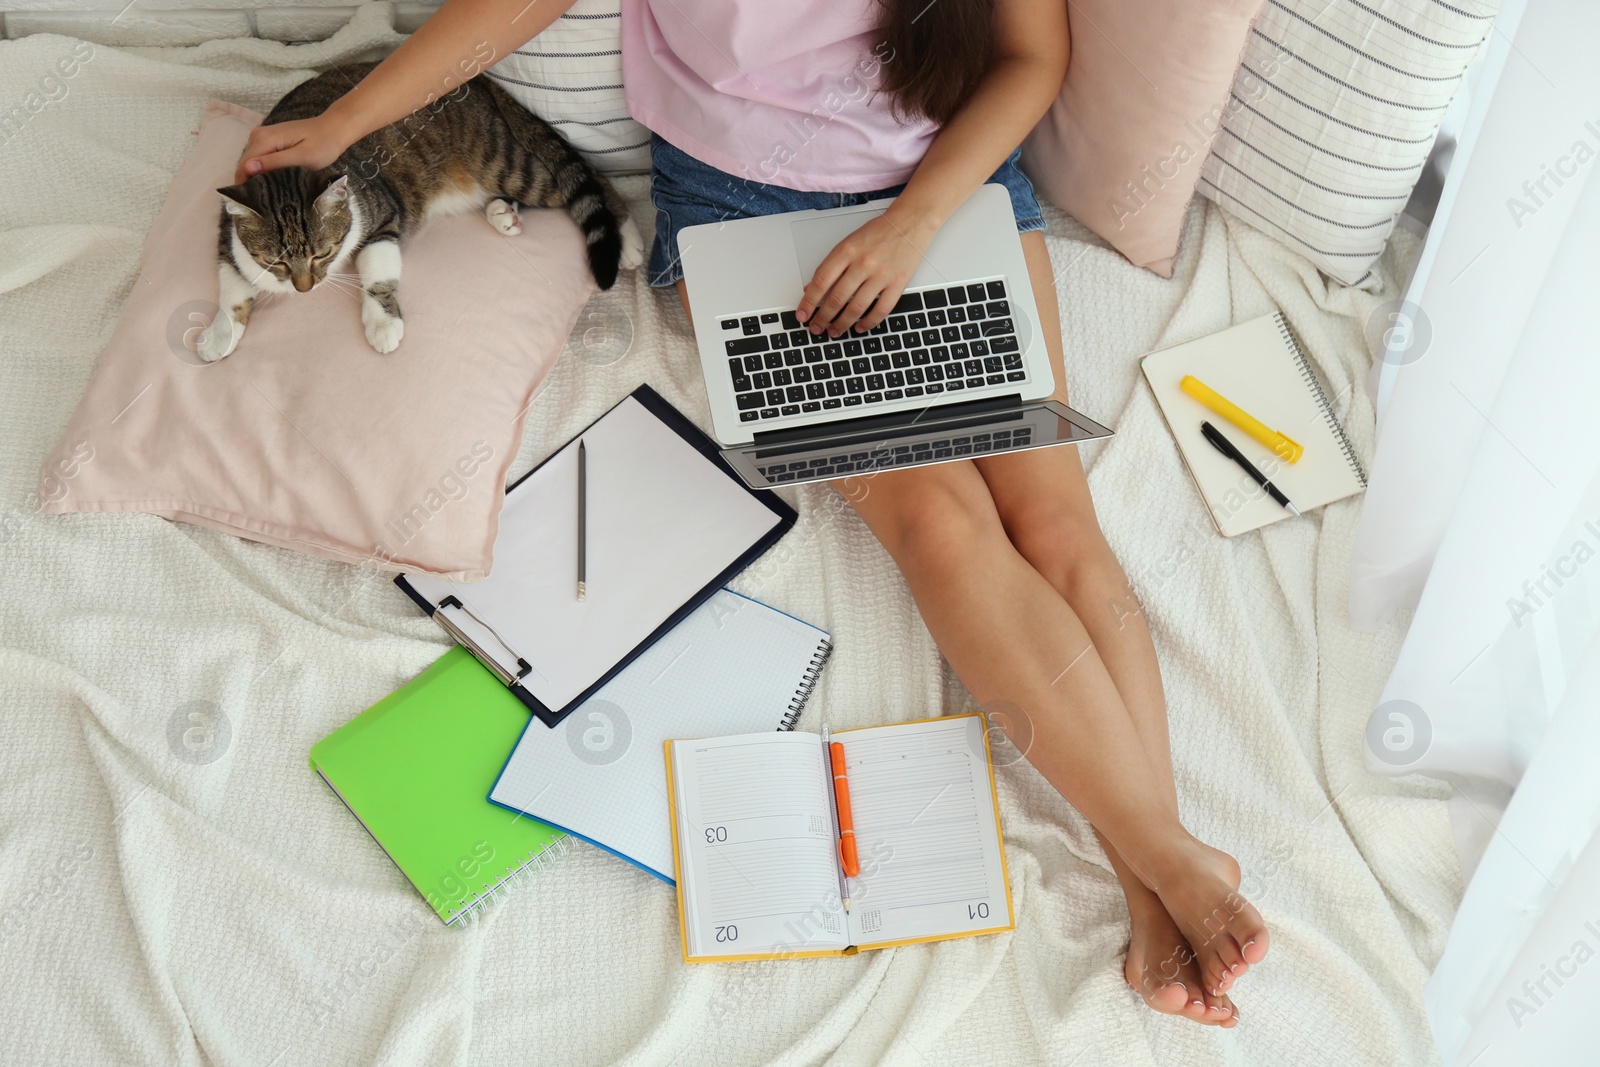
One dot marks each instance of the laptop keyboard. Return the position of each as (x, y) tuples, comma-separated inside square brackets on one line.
[(937, 341)]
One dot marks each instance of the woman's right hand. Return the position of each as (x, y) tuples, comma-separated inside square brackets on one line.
[(311, 143)]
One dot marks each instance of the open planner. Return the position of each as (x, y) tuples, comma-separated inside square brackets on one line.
[(755, 839), (733, 666), (667, 525), (1260, 367)]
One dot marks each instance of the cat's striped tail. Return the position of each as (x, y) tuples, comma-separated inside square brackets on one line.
[(584, 195), (574, 185)]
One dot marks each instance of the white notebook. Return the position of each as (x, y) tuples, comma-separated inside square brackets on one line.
[(1259, 366), (759, 873), (733, 666), (668, 524)]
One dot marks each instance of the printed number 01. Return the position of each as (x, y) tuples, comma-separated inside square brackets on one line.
[(979, 912)]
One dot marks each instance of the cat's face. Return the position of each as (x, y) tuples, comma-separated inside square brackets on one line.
[(292, 224)]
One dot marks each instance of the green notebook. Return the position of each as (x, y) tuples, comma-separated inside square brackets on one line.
[(416, 768)]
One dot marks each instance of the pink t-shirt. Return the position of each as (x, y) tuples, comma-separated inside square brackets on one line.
[(777, 92)]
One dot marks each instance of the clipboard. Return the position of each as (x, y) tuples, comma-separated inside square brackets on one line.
[(669, 522)]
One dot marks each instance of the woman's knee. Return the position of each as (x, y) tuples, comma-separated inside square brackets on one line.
[(1067, 548), (929, 519)]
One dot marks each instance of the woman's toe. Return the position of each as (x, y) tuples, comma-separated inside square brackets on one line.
[(1195, 1006), (1165, 994), (1221, 964), (1218, 1009), (1169, 999)]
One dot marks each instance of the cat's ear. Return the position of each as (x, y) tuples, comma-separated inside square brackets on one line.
[(238, 201), (337, 192)]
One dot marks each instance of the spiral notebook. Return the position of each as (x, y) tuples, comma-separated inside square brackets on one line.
[(415, 769), (1260, 367), (734, 665)]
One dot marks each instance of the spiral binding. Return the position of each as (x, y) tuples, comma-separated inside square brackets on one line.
[(808, 682), (1322, 398), (473, 909)]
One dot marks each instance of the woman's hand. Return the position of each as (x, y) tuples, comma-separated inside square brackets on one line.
[(864, 275), (454, 45), (310, 143)]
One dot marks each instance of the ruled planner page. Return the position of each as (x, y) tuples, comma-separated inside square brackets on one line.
[(926, 831), (755, 840)]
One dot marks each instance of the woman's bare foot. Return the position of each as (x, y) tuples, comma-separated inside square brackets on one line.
[(1162, 968), (1198, 886)]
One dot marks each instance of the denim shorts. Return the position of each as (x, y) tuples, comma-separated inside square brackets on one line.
[(687, 192)]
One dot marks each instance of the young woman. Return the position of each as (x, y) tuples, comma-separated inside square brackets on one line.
[(760, 108)]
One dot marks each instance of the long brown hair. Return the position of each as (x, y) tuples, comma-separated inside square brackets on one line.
[(937, 52)]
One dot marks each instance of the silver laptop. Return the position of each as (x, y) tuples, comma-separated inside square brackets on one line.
[(958, 370)]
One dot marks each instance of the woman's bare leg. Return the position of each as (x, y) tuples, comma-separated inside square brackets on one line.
[(1043, 500), (1008, 634)]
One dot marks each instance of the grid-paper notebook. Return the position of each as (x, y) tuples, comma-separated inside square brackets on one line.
[(735, 665), (755, 838), (415, 769), (669, 524), (1260, 367)]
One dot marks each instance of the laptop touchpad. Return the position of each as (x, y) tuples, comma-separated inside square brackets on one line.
[(815, 237)]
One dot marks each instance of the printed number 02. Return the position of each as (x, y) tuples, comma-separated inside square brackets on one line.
[(715, 835), (727, 933), (979, 912)]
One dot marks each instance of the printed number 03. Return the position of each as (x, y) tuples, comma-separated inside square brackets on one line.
[(716, 835)]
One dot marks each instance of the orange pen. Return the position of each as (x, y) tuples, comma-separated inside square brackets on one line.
[(841, 795)]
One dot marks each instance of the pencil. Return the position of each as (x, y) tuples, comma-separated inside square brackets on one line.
[(583, 519)]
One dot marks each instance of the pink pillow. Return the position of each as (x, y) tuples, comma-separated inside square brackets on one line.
[(305, 437), (1120, 150)]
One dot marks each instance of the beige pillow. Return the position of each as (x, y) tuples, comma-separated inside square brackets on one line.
[(305, 437), (1121, 148)]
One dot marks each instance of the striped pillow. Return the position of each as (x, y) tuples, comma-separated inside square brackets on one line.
[(1332, 115), (571, 76)]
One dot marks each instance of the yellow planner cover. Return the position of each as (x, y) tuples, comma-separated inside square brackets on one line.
[(755, 841)]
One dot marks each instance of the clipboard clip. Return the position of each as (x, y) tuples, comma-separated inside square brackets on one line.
[(472, 646)]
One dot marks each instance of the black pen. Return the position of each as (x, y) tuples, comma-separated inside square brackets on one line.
[(1226, 447), (583, 517)]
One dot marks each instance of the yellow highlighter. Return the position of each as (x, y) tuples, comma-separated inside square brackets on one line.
[(1284, 446)]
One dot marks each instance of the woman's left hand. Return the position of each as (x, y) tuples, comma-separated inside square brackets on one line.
[(863, 277)]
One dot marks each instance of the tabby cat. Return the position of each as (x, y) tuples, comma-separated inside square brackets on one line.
[(293, 229)]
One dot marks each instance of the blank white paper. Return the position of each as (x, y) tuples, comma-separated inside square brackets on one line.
[(663, 522)]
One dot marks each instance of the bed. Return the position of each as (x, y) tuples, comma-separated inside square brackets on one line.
[(167, 902)]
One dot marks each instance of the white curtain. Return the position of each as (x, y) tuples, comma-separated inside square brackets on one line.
[(1484, 516)]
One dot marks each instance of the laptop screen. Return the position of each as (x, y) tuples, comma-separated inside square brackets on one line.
[(932, 439)]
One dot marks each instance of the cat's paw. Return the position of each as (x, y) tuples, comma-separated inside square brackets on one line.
[(384, 335), (632, 245), (380, 314), (218, 339), (503, 216)]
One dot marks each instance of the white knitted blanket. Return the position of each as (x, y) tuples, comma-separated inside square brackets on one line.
[(158, 909)]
